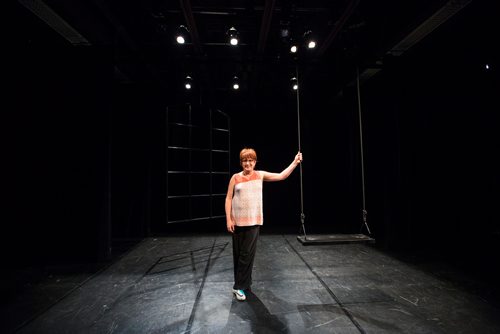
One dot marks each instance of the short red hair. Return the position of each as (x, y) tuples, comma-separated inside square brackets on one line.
[(248, 153)]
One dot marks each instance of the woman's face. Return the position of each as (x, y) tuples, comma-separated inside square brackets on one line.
[(248, 164)]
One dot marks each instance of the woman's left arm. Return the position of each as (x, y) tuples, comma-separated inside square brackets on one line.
[(267, 176)]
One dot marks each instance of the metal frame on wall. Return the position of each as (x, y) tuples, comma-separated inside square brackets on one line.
[(197, 163)]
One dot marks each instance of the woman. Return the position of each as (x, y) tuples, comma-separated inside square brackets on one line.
[(244, 214)]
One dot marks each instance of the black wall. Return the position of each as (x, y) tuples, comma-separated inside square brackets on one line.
[(57, 136)]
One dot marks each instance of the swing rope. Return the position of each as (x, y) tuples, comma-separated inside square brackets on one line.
[(364, 223), (302, 215)]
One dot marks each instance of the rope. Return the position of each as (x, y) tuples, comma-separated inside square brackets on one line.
[(361, 148), (302, 215)]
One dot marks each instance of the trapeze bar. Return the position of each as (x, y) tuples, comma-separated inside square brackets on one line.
[(323, 239)]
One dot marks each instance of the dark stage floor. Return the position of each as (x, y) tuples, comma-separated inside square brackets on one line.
[(182, 284)]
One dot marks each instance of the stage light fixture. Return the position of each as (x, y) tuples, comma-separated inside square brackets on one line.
[(294, 83), (236, 83), (309, 39), (233, 36), (188, 82), (293, 45), (181, 34)]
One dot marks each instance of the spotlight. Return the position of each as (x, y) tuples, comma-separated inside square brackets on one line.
[(309, 39), (182, 34), (236, 83), (233, 36), (294, 83), (188, 82), (292, 43)]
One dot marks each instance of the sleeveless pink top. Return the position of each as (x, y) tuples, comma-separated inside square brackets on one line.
[(246, 207)]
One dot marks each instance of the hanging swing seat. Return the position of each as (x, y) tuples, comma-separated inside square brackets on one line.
[(324, 239)]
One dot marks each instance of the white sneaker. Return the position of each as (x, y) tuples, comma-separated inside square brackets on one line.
[(240, 294)]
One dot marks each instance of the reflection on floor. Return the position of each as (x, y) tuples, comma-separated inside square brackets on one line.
[(182, 284)]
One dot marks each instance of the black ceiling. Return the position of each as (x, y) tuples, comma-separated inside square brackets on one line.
[(351, 34)]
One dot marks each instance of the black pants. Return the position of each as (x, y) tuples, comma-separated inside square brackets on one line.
[(244, 247)]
